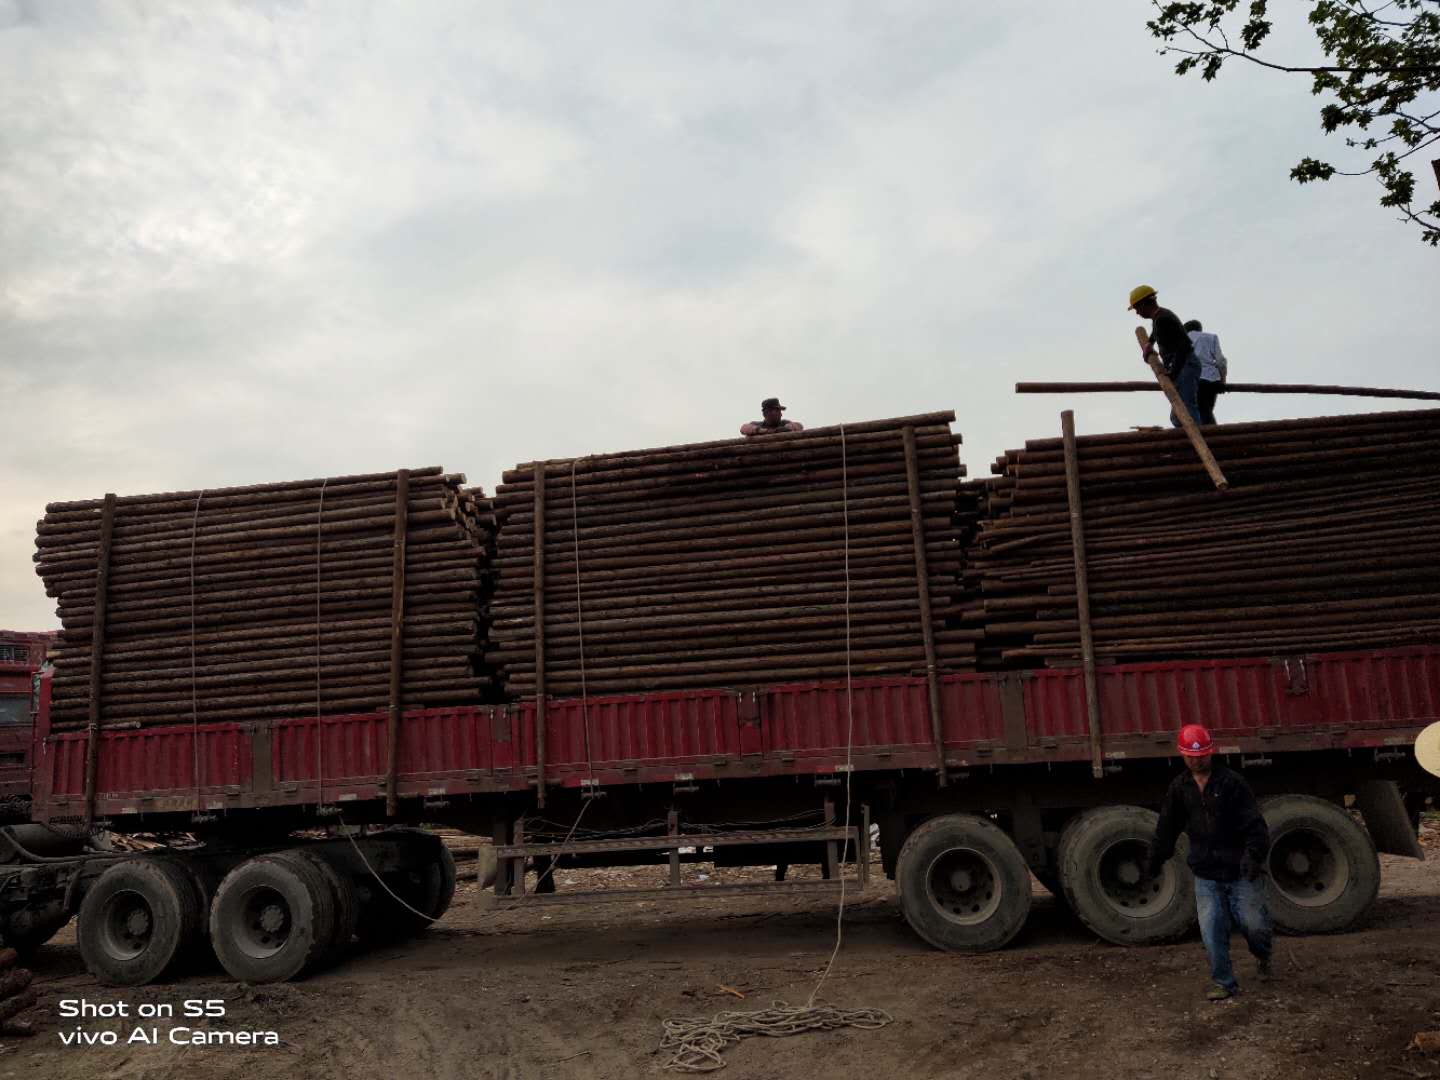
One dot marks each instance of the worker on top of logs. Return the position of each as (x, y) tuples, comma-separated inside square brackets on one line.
[(1168, 335), (774, 421), (1213, 368)]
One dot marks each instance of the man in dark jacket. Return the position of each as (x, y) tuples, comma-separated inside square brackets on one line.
[(1228, 847), (1177, 352)]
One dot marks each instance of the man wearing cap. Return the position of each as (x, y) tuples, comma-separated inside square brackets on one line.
[(774, 422), (1228, 847), (1177, 352)]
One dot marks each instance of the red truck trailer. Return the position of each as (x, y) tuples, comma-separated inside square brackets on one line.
[(750, 777)]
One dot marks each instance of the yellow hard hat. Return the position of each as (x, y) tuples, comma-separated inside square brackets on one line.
[(1138, 293)]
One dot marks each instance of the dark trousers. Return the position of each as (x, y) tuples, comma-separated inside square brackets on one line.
[(1187, 385), (1224, 905), (1205, 398)]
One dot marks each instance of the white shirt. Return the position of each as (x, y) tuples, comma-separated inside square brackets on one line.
[(1213, 364)]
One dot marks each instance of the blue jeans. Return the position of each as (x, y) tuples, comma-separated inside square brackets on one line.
[(1221, 905), (1187, 384)]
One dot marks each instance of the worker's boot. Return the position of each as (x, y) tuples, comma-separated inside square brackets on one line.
[(1264, 968), (1219, 993)]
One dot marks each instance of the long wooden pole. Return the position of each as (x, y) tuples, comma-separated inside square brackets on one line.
[(397, 645), (1230, 388), (1082, 589), (97, 657), (922, 580), (539, 587), (1182, 412)]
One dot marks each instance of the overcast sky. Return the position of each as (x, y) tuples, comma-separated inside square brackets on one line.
[(242, 243)]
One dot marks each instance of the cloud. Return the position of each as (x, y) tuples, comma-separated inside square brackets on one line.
[(251, 242)]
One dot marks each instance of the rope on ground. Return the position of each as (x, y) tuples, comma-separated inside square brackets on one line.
[(698, 1043)]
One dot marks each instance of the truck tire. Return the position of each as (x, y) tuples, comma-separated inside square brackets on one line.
[(1323, 869), (139, 918), (1102, 870), (963, 884), (273, 919), (342, 895), (420, 896)]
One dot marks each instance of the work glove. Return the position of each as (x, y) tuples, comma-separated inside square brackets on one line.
[(1250, 868)]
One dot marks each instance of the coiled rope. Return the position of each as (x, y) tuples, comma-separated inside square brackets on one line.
[(697, 1043)]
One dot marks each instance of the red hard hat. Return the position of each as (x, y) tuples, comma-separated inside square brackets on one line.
[(1194, 741)]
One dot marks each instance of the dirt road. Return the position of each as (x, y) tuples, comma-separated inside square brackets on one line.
[(582, 992)]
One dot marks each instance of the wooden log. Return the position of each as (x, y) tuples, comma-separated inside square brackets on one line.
[(267, 490), (1229, 388)]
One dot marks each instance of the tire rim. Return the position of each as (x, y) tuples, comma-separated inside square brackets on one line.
[(964, 885), (1120, 873), (1308, 867), (127, 925), (265, 923)]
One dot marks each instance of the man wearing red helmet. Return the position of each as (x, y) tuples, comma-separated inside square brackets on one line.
[(1228, 846)]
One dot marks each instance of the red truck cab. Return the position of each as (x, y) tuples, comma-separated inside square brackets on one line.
[(22, 659)]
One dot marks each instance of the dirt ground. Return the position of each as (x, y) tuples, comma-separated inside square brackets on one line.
[(583, 991)]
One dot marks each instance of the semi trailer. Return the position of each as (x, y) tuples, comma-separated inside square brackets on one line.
[(290, 853), (761, 654)]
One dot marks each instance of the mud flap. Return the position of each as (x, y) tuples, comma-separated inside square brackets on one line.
[(1383, 807)]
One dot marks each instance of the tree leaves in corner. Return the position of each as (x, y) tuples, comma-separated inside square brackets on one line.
[(1380, 74)]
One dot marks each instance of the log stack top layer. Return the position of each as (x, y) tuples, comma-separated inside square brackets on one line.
[(725, 563), (1328, 538), (268, 600)]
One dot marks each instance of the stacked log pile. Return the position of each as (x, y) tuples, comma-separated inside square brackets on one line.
[(267, 601), (724, 564), (1328, 538), (16, 995)]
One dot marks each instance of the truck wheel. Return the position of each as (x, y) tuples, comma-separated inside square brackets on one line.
[(272, 919), (1324, 872), (423, 896), (1102, 869), (342, 895), (139, 917), (963, 883), (403, 903)]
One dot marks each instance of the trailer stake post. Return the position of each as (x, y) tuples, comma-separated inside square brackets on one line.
[(97, 658), (539, 573), (1082, 589), (922, 581), (397, 644)]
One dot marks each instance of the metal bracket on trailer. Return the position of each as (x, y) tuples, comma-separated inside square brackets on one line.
[(512, 858)]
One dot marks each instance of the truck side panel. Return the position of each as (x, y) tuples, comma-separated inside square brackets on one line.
[(1331, 701)]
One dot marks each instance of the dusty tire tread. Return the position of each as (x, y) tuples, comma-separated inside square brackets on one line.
[(931, 839), (177, 907), (1077, 854)]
